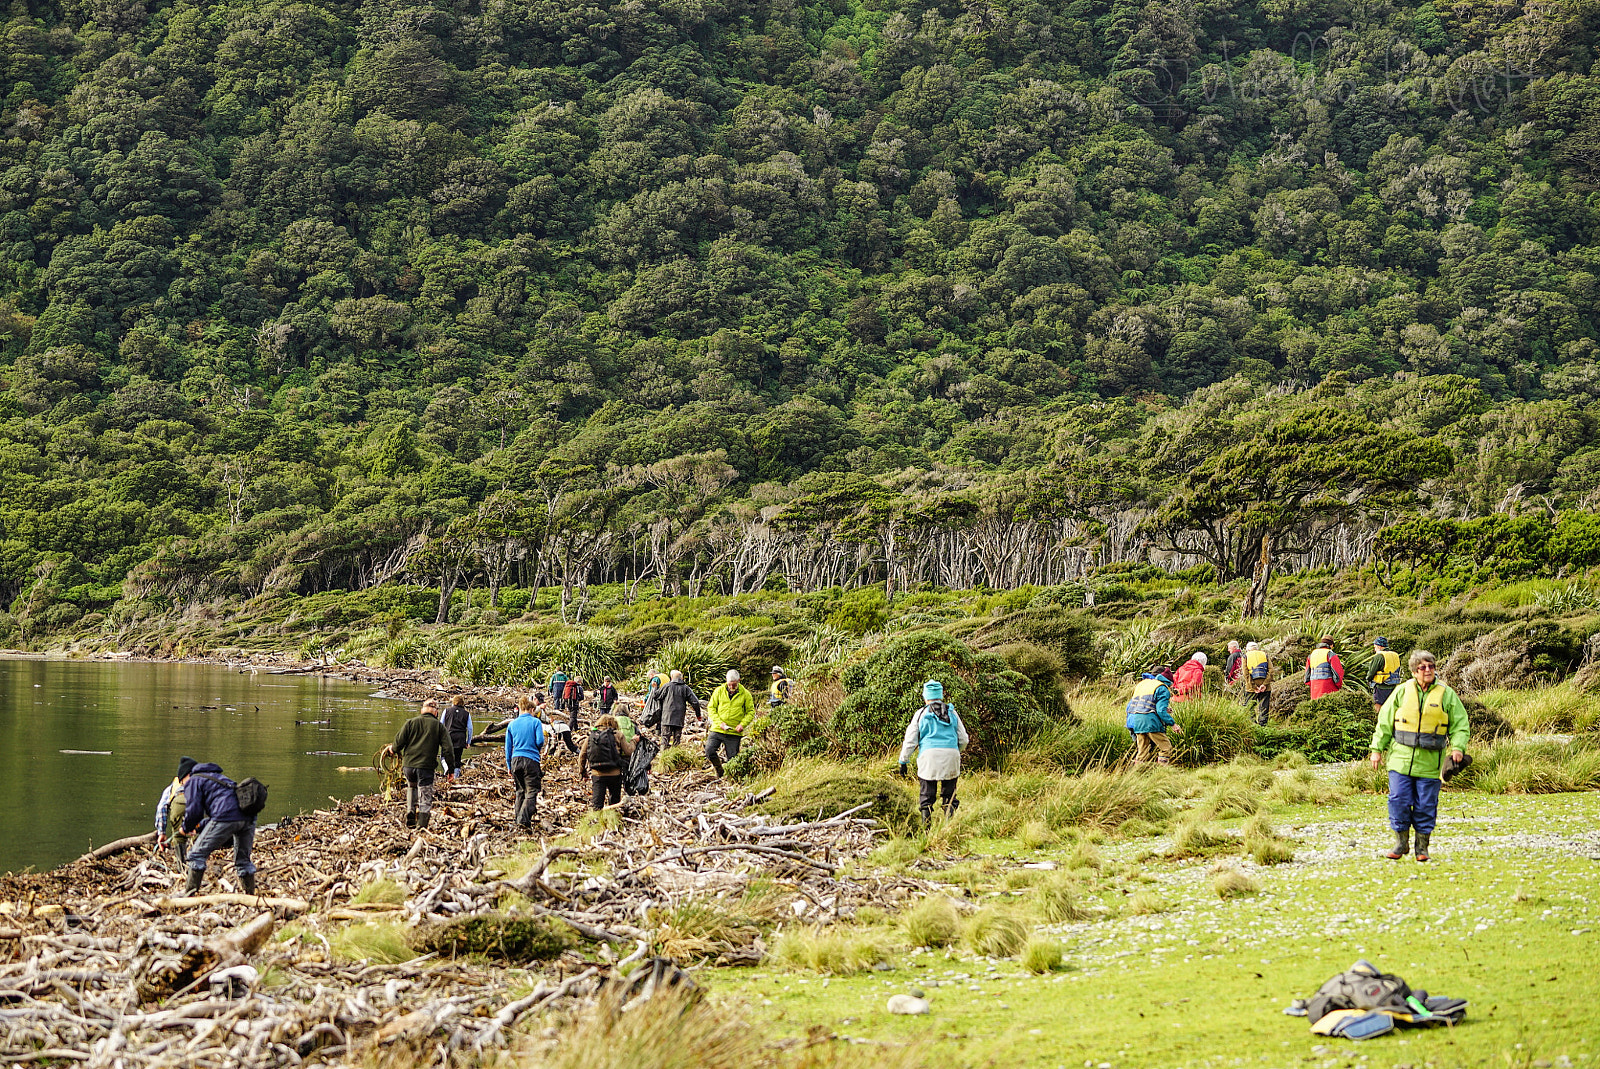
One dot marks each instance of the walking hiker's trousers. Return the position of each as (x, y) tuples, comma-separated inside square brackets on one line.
[(728, 744), (1413, 802), (215, 834), (528, 775), (930, 790), (673, 733), (419, 789), (607, 790), (1263, 704), (452, 758), (1152, 744)]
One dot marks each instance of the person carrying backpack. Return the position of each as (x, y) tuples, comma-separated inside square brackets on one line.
[(732, 709), (1383, 672), (1258, 678), (458, 725), (937, 736), (604, 759), (1190, 678), (1419, 721), (169, 812), (211, 798), (1148, 719), (677, 698), (524, 762), (418, 745), (1324, 670)]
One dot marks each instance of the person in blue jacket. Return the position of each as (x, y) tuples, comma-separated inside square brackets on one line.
[(209, 796), (524, 750), (1148, 718), (937, 736)]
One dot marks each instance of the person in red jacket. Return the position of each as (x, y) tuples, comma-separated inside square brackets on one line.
[(1324, 672), (1187, 681)]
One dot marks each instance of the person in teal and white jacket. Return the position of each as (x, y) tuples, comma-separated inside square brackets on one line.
[(937, 736)]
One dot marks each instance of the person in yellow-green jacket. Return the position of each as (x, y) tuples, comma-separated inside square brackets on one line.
[(732, 709), (1420, 720)]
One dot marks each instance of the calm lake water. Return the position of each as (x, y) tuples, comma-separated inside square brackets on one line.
[(57, 805)]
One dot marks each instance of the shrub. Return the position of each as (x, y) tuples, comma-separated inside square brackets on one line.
[(933, 922), (862, 610), (995, 933), (494, 935), (1195, 837), (1041, 955), (1069, 636), (995, 702), (1043, 671), (637, 645), (754, 656), (679, 759), (1148, 901), (1337, 727)]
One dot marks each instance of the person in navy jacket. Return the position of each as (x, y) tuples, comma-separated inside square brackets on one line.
[(208, 797)]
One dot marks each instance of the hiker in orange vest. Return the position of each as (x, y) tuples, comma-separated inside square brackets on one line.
[(1189, 678), (1324, 672)]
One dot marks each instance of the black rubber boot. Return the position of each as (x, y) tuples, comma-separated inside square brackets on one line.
[(411, 819), (248, 882), (1422, 846), (192, 888), (1402, 844), (422, 820)]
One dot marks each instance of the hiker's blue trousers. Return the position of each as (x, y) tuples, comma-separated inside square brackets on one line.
[(1413, 802)]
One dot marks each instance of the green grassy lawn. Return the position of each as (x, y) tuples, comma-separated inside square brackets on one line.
[(1502, 916)]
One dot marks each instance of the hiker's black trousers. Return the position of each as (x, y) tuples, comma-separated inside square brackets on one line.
[(931, 790), (728, 744), (528, 776), (607, 790)]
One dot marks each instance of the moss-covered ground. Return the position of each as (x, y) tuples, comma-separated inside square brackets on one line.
[(1504, 915)]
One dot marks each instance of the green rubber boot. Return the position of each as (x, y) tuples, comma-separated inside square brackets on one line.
[(1402, 845), (192, 888)]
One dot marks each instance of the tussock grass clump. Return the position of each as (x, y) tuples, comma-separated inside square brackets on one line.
[(1035, 835), (818, 789), (898, 853), (679, 759), (1560, 709), (1362, 778), (1533, 768), (1041, 955), (676, 1029), (1264, 844), (995, 933), (1147, 902), (494, 935), (703, 929), (597, 822), (1075, 748), (1086, 855), (1303, 786), (832, 951), (933, 922), (1229, 882), (1056, 901), (374, 942), (384, 890), (1195, 836)]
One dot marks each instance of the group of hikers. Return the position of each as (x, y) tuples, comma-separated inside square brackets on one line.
[(1420, 737), (1419, 720)]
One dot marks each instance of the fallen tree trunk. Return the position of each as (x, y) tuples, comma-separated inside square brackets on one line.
[(287, 905), (113, 848)]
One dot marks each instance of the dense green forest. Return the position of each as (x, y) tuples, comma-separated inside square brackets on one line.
[(711, 297)]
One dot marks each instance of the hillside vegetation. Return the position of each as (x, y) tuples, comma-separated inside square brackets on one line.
[(300, 298)]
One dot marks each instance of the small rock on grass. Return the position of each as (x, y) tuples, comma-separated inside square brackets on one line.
[(908, 1004)]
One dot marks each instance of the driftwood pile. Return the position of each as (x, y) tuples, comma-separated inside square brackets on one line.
[(101, 964)]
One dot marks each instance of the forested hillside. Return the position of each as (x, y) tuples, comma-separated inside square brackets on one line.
[(297, 297)]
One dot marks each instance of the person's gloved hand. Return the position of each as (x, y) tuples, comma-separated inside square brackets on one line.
[(902, 772)]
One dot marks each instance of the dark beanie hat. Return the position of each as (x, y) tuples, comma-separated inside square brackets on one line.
[(186, 766)]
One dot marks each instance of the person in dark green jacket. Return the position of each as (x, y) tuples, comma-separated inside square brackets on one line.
[(418, 745), (1420, 720)]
